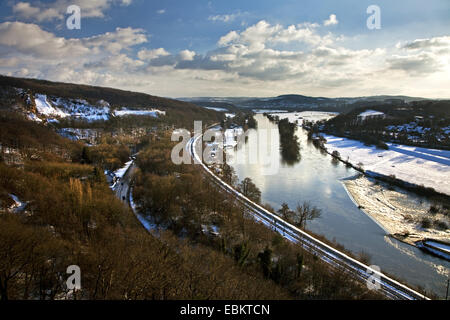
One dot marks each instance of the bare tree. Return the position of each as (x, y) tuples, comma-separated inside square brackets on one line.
[(250, 190), (286, 213), (305, 212)]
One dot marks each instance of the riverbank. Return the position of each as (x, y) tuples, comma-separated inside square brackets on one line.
[(399, 212), (416, 166)]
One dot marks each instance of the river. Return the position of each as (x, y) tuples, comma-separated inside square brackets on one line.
[(318, 180)]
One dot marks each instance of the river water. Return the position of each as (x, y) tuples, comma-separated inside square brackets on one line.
[(318, 180)]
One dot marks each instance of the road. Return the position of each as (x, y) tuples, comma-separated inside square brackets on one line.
[(390, 287), (122, 187)]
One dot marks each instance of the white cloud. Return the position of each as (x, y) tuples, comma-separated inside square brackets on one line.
[(114, 42), (28, 12), (433, 43), (332, 20), (226, 17), (415, 65), (30, 39), (162, 11), (187, 55), (422, 56), (146, 54), (223, 17), (263, 59), (40, 12), (228, 38), (32, 43)]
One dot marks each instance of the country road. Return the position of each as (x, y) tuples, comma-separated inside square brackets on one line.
[(123, 185), (390, 287)]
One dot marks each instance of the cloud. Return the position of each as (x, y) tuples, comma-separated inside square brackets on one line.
[(223, 18), (254, 53), (422, 56), (28, 12), (228, 38), (226, 17), (30, 39), (42, 12), (146, 54), (31, 42), (261, 59), (414, 64), (187, 55), (332, 20), (162, 11), (437, 42), (114, 42)]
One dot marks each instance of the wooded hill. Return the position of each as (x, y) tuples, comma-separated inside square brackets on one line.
[(177, 112)]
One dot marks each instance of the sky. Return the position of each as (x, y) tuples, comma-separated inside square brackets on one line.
[(263, 48)]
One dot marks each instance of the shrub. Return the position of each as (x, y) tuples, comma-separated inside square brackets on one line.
[(381, 145), (434, 209), (426, 223), (336, 154), (441, 225)]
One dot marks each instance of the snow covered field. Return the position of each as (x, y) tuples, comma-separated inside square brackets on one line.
[(420, 166), (268, 111), (299, 117)]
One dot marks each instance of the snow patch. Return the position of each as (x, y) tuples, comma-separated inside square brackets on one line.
[(152, 113), (44, 107), (217, 109), (121, 172)]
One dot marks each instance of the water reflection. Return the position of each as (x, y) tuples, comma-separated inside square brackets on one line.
[(318, 180)]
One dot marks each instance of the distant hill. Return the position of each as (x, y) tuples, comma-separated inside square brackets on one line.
[(300, 102)]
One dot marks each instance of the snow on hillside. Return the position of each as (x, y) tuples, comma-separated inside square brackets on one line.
[(420, 166), (44, 107), (31, 116), (18, 205), (370, 113), (152, 112), (217, 109), (80, 108), (119, 173)]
